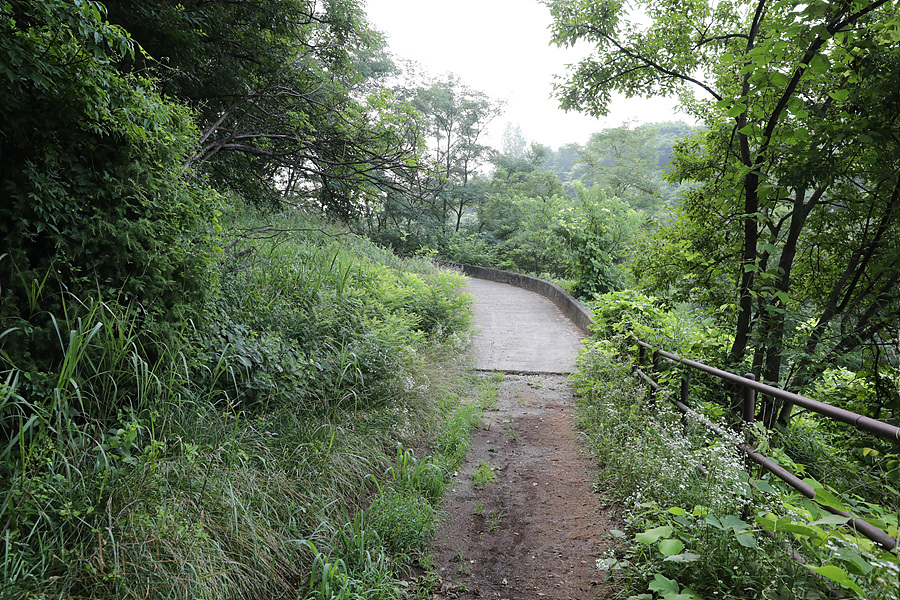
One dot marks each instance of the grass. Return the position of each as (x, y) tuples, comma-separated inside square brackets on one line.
[(496, 519), (260, 452), (488, 393), (484, 474)]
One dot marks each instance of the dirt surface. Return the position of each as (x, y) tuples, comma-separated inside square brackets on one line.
[(537, 530)]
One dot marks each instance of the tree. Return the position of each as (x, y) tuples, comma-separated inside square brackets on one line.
[(798, 170), (456, 118), (283, 92), (93, 200), (623, 161)]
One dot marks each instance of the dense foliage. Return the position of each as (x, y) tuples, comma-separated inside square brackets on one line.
[(198, 401), (776, 260), (785, 230), (701, 523), (195, 466)]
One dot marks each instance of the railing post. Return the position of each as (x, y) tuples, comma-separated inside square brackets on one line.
[(685, 392), (654, 369), (748, 411)]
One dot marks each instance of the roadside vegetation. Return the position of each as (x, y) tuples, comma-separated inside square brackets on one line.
[(266, 448), (704, 522), (218, 380)]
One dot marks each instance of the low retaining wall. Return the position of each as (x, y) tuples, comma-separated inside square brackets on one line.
[(572, 308)]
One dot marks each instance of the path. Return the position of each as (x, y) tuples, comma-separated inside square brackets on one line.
[(521, 332), (538, 529)]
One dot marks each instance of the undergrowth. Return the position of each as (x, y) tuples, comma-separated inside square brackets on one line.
[(260, 451), (701, 523)]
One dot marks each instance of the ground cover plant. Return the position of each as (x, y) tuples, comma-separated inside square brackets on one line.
[(244, 455), (701, 522)]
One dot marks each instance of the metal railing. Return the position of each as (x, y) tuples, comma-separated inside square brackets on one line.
[(750, 388)]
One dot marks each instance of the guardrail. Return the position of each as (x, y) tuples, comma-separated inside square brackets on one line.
[(750, 388), (583, 319)]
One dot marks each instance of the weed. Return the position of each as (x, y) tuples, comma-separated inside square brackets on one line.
[(146, 461), (484, 474), (479, 509), (496, 519), (488, 395), (405, 522), (701, 536)]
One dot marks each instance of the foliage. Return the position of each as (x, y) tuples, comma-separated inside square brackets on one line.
[(190, 465), (796, 171), (283, 95), (483, 475), (94, 198), (700, 524)]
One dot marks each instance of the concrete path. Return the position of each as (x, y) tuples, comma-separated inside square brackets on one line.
[(520, 331)]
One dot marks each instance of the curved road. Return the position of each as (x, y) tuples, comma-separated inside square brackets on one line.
[(520, 331), (536, 531)]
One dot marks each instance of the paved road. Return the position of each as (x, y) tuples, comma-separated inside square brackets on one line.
[(520, 331)]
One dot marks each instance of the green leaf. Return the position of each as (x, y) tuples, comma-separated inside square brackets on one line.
[(664, 586), (737, 110), (651, 536), (840, 95), (683, 558), (671, 547), (826, 498), (735, 523), (714, 521), (831, 520), (763, 486), (746, 539), (837, 575), (854, 561)]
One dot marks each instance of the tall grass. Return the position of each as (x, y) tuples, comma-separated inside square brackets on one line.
[(222, 460)]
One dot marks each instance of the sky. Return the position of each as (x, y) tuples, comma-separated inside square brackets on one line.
[(502, 47)]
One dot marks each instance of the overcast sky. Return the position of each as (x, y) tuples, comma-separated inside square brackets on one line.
[(502, 47)]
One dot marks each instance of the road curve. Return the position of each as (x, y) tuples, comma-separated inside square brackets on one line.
[(520, 331)]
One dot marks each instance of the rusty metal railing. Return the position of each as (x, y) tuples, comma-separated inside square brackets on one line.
[(750, 388)]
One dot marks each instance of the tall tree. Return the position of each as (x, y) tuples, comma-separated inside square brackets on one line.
[(798, 171), (456, 117)]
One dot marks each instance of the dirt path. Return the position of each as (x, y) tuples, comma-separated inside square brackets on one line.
[(536, 531)]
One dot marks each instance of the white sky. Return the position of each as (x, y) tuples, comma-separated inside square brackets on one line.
[(502, 47)]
